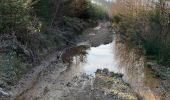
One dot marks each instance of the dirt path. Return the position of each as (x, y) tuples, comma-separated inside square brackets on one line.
[(52, 85), (102, 34), (52, 80)]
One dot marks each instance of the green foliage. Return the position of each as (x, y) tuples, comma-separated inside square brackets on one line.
[(94, 12), (11, 68), (18, 27), (43, 9), (14, 14)]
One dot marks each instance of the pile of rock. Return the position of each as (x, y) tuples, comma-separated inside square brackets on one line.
[(106, 72)]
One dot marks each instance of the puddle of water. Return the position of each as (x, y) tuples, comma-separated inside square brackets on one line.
[(99, 58), (116, 57), (95, 58)]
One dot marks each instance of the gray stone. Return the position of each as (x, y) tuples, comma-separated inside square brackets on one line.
[(3, 93), (111, 74), (105, 71), (99, 71)]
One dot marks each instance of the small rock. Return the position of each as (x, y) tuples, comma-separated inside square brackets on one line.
[(105, 71), (3, 93), (99, 71), (69, 84), (119, 75), (111, 74)]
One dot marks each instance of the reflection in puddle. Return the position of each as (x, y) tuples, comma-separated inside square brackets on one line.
[(117, 57), (92, 59)]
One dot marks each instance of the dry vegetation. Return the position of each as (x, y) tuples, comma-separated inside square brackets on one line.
[(146, 24)]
